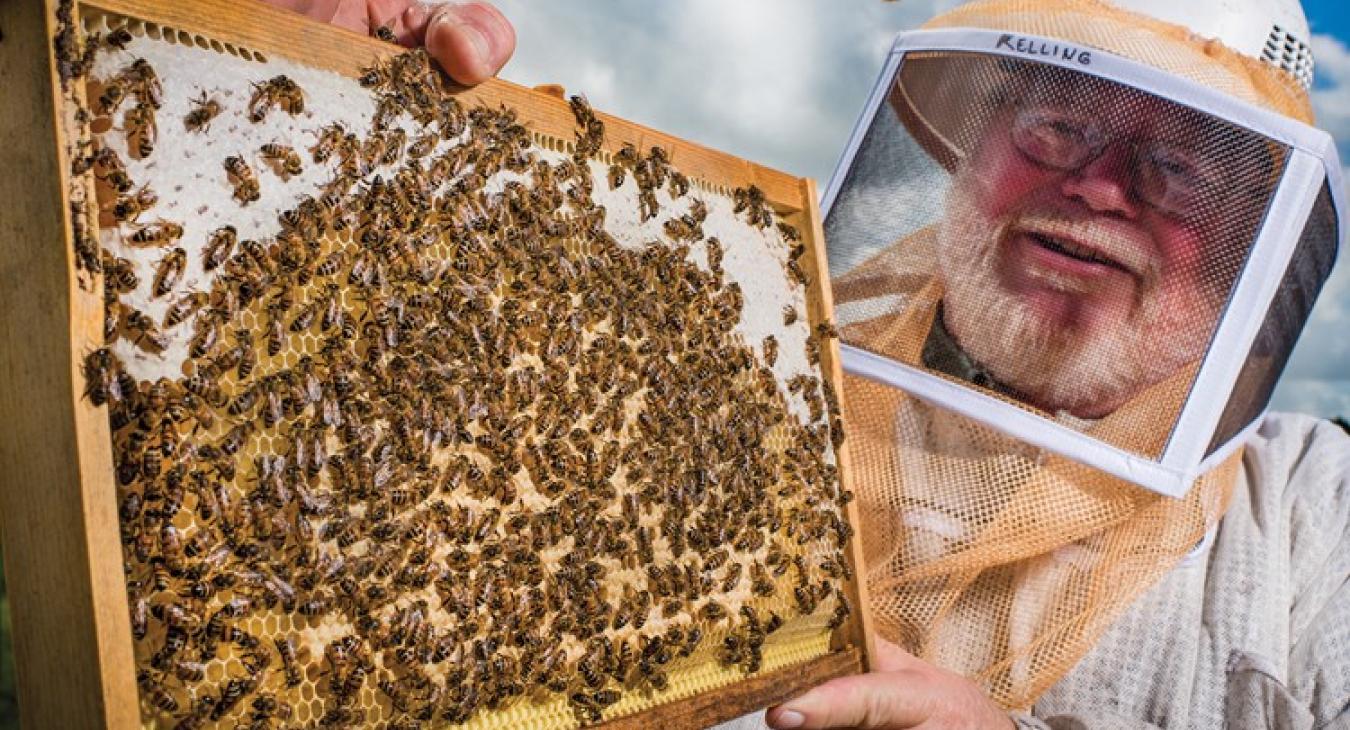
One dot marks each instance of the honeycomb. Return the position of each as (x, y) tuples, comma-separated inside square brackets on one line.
[(481, 427)]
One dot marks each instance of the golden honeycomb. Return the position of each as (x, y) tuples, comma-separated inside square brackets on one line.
[(448, 443)]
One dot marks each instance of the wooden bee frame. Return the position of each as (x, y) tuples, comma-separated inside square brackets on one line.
[(58, 510)]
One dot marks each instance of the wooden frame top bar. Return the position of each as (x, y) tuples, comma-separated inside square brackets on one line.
[(270, 30)]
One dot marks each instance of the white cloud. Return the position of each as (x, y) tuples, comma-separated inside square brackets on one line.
[(778, 82), (1331, 94), (1325, 398)]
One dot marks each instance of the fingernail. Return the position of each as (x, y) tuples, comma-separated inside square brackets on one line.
[(790, 719), (471, 32), (479, 40)]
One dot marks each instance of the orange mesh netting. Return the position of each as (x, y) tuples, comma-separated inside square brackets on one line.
[(996, 559)]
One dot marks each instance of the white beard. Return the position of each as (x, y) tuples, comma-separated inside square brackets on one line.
[(1086, 371)]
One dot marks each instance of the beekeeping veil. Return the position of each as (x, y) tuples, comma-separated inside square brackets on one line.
[(1072, 247)]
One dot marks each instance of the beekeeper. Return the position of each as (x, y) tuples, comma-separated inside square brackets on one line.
[(1073, 243)]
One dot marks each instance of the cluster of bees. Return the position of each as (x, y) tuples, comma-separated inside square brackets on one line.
[(470, 449)]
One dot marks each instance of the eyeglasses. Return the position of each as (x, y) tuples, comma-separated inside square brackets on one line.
[(1176, 181)]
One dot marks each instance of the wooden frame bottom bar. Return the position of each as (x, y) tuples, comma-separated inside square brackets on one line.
[(752, 694)]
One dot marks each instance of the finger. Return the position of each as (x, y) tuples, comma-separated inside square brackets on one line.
[(876, 701), (472, 41), (394, 14), (349, 14), (295, 6)]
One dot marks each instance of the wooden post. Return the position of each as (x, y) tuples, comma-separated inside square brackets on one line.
[(58, 513)]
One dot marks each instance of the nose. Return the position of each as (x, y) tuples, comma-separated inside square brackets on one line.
[(1104, 184)]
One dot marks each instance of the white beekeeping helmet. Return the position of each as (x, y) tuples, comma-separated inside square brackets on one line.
[(1274, 31), (1072, 244)]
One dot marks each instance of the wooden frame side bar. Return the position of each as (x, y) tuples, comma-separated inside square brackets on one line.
[(859, 625), (58, 513)]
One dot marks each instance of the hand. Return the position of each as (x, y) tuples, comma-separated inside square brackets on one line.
[(902, 691), (471, 40)]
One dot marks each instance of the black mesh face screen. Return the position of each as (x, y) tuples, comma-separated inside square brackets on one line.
[(1303, 280), (1061, 241)]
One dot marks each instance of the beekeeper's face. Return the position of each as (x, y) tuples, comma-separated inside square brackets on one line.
[(1080, 250)]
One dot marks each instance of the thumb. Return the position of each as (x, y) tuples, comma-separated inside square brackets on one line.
[(471, 40), (878, 701)]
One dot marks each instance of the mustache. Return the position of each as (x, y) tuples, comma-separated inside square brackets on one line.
[(1116, 242)]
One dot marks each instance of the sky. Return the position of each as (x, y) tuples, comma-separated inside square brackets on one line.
[(781, 82)]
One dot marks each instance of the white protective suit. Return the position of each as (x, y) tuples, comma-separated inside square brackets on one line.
[(1252, 630)]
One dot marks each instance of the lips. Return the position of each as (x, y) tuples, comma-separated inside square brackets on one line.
[(1075, 250)]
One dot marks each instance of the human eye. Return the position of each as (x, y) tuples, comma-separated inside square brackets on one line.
[(1175, 164), (1055, 138), (1175, 180)]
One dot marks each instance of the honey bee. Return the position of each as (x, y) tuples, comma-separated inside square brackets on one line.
[(143, 332), (423, 145), (377, 75), (712, 611), (616, 176), (159, 233), (713, 247), (205, 337), (732, 577), (760, 582), (770, 349), (234, 691), (648, 206), (105, 159), (141, 76), (141, 129), (384, 33), (283, 159), (789, 315), (219, 246), (140, 616), (246, 189), (751, 201), (130, 207), (204, 109), (189, 671), (813, 351), (168, 271), (161, 699), (111, 98), (278, 91), (118, 180), (330, 138), (119, 38), (103, 377), (266, 706), (679, 185), (184, 308)]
